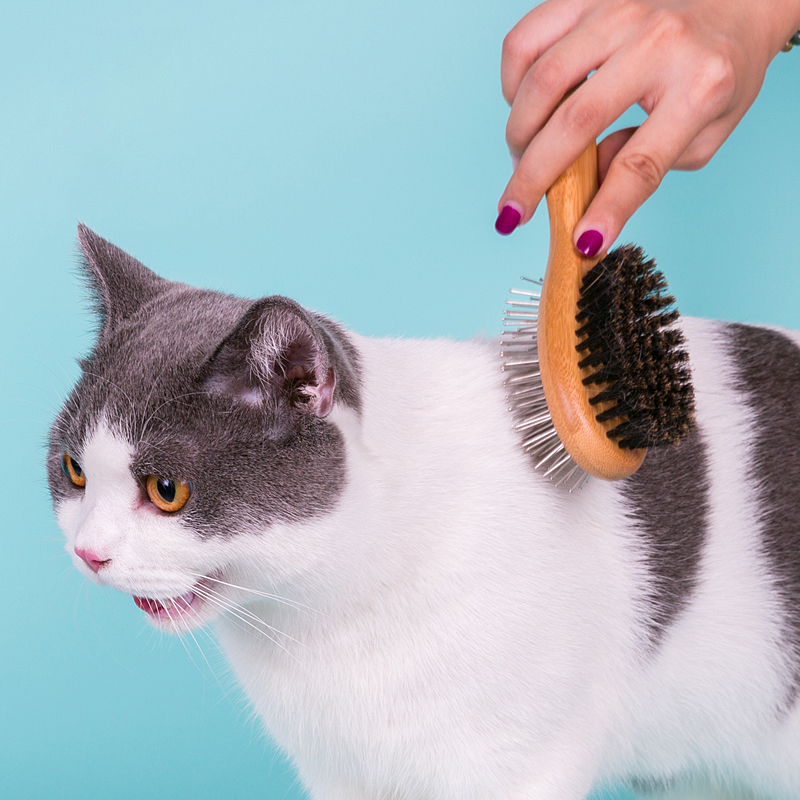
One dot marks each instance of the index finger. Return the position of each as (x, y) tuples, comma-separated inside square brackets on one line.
[(535, 33)]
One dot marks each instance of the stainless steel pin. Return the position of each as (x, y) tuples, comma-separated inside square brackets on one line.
[(522, 328), (559, 448), (521, 363), (567, 477), (528, 423), (558, 465), (525, 392), (519, 379), (540, 438)]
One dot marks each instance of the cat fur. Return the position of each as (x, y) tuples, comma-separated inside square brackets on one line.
[(452, 626)]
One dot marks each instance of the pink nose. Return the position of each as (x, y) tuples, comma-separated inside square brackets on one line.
[(93, 561)]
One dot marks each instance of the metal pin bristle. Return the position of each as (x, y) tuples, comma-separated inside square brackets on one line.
[(520, 361)]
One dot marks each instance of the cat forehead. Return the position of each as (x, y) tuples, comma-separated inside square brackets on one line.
[(154, 357), (181, 323), (107, 460)]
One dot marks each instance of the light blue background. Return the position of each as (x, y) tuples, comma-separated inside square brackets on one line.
[(348, 154)]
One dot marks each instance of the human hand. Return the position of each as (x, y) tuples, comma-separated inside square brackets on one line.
[(695, 67)]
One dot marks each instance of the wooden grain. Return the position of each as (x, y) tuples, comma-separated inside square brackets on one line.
[(567, 398)]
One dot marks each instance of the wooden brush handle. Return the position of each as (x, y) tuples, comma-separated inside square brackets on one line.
[(567, 398)]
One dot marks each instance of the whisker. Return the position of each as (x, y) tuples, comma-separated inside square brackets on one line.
[(163, 450), (60, 398), (232, 604), (28, 401), (147, 403), (70, 382), (231, 610), (34, 420), (161, 405), (186, 647), (66, 387), (202, 653), (292, 603), (228, 608), (116, 386)]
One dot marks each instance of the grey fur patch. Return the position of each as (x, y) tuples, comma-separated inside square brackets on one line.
[(146, 375), (668, 500), (768, 375)]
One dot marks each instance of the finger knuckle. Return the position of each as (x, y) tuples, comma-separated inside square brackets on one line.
[(548, 76), (516, 137), (627, 14), (524, 187), (697, 155), (715, 83), (644, 167), (668, 26), (630, 10), (695, 161), (583, 117), (514, 47)]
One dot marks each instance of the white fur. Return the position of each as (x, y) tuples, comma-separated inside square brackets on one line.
[(459, 629)]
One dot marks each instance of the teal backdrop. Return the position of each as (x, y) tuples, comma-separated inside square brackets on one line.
[(348, 154)]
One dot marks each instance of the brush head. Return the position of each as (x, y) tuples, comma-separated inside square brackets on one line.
[(633, 352)]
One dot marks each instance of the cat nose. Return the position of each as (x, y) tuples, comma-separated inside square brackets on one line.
[(93, 561)]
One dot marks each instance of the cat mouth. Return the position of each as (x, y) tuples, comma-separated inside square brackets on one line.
[(192, 609), (176, 609)]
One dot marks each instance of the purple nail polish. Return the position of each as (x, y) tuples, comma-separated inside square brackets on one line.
[(590, 243), (507, 220)]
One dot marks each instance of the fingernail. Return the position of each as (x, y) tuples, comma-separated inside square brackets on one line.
[(507, 220), (590, 242)]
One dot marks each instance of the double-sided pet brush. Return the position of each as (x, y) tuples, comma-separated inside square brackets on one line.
[(597, 373)]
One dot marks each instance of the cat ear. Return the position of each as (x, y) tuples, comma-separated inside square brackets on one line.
[(276, 358), (120, 285)]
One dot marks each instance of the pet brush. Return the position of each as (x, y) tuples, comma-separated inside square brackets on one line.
[(597, 373)]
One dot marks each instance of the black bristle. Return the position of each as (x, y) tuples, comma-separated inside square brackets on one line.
[(635, 356)]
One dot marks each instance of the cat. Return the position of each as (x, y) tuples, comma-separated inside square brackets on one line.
[(412, 610)]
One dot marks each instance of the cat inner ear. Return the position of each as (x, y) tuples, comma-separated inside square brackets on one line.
[(120, 285), (275, 358)]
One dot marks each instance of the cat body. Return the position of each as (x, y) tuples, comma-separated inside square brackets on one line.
[(419, 614)]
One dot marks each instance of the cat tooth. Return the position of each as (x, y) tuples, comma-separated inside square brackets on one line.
[(167, 604)]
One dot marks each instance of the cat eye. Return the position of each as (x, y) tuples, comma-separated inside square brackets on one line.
[(166, 494), (72, 469)]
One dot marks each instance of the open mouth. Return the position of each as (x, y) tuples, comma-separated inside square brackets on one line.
[(174, 608)]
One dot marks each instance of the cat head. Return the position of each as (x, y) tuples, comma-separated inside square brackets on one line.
[(197, 434)]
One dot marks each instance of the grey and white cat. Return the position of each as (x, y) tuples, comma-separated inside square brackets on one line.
[(414, 613)]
